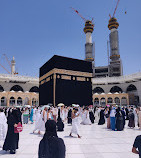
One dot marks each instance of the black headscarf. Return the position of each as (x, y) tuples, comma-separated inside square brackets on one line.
[(51, 146), (16, 115), (50, 129)]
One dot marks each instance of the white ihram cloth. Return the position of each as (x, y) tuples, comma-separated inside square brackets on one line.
[(83, 116), (40, 124), (37, 117), (62, 115), (86, 119), (75, 125), (34, 114), (96, 115), (3, 126)]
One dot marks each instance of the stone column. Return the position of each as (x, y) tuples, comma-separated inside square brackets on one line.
[(8, 100)]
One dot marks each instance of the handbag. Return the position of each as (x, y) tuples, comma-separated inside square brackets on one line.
[(19, 128), (107, 115)]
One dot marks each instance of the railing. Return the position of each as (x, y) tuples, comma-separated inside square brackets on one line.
[(120, 79), (16, 77)]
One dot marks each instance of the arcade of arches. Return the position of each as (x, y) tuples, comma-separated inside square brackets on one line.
[(109, 99), (18, 98), (116, 95)]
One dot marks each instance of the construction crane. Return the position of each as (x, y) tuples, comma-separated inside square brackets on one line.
[(81, 15), (78, 14), (115, 9), (7, 60), (4, 68)]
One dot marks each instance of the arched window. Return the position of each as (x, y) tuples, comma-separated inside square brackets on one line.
[(34, 89), (33, 102), (98, 90), (103, 101), (1, 89), (96, 101), (116, 89), (12, 101), (110, 100), (3, 101), (26, 101), (117, 101), (123, 101), (16, 88), (131, 88), (19, 101)]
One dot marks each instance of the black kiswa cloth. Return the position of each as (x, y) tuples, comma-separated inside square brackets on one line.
[(51, 146)]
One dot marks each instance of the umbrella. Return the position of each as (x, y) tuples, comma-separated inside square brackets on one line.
[(28, 106), (75, 105), (90, 106), (18, 106), (60, 104), (45, 106)]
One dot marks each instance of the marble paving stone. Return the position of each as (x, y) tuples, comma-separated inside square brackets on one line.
[(96, 142)]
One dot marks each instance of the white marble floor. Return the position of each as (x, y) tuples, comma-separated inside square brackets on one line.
[(96, 142)]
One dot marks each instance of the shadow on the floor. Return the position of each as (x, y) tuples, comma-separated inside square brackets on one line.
[(69, 125), (34, 133), (2, 152), (69, 137)]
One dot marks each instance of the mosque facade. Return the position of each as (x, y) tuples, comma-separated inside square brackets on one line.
[(16, 90)]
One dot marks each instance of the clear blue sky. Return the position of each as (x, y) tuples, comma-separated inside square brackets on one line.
[(34, 30)]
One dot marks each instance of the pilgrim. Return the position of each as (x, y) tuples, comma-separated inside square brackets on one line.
[(51, 146)]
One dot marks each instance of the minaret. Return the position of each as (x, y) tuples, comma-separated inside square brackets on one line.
[(89, 27), (13, 63), (115, 63)]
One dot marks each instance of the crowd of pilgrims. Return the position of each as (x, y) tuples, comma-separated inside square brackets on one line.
[(52, 119)]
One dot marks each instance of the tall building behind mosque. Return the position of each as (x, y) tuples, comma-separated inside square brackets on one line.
[(114, 67), (109, 84)]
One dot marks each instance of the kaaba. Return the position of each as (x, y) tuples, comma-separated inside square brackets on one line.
[(65, 80)]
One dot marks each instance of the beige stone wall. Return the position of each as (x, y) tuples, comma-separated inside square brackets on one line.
[(113, 96), (32, 97)]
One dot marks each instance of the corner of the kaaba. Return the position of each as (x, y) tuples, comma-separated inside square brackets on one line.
[(65, 80)]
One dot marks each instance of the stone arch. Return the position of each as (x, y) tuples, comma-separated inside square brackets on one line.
[(96, 101), (3, 101), (17, 88), (117, 101), (131, 88), (109, 100), (12, 101), (98, 90), (103, 101), (34, 101), (34, 89), (19, 101), (1, 89), (26, 101), (116, 89), (123, 101)]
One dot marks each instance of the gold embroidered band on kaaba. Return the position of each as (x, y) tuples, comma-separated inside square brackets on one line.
[(66, 74)]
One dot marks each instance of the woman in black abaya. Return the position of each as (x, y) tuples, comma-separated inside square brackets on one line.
[(102, 119), (12, 139), (60, 124), (131, 123), (119, 120), (69, 116), (91, 115), (51, 146)]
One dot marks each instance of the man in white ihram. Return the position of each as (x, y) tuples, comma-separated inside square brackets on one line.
[(75, 123)]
